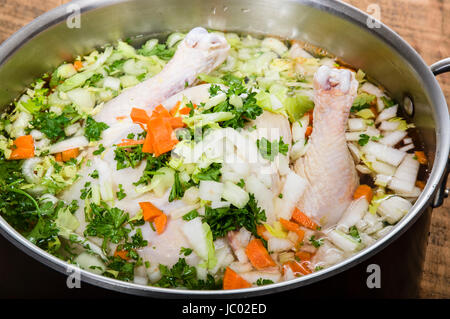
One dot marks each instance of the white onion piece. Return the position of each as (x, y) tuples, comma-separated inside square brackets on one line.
[(28, 167), (293, 189), (37, 135), (275, 244), (388, 126), (240, 267), (394, 208), (405, 175), (383, 168), (356, 124), (220, 204), (355, 152), (407, 148), (263, 196), (384, 153), (253, 276), (363, 169), (210, 190), (343, 241), (372, 89), (72, 129), (70, 143), (382, 180), (140, 280), (111, 83), (353, 214), (407, 140), (412, 194), (327, 255), (387, 114), (353, 136), (393, 137)]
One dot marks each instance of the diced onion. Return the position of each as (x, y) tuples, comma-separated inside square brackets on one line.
[(70, 143)]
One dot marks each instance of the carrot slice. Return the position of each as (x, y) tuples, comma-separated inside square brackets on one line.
[(160, 223), (119, 118), (122, 254), (421, 157), (258, 254), (174, 109), (69, 154), (58, 157), (363, 191), (303, 255), (185, 111), (130, 142), (77, 65), (261, 231), (297, 268), (231, 280), (176, 122), (300, 218), (420, 184), (149, 211), (23, 148), (21, 153), (139, 116), (308, 131), (24, 141), (163, 139), (293, 227), (311, 116), (161, 111)]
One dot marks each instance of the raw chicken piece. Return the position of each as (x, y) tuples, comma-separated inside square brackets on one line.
[(327, 164), (199, 52)]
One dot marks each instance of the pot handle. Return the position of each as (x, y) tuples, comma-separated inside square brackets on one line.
[(442, 191), (437, 68), (441, 66)]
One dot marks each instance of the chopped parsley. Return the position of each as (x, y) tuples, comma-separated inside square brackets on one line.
[(224, 219), (121, 193), (191, 215), (100, 150), (183, 275), (186, 251), (316, 243), (262, 282), (211, 173), (269, 150), (353, 231), (93, 129)]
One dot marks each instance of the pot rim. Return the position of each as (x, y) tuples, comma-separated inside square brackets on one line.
[(342, 10)]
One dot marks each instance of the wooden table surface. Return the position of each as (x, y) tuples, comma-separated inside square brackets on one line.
[(425, 24)]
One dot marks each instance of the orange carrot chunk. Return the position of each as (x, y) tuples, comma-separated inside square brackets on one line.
[(262, 232), (160, 223), (231, 280), (161, 111), (130, 142), (175, 109), (149, 211), (363, 191), (121, 254), (293, 227), (176, 122), (420, 184), (258, 254), (23, 148), (421, 157), (303, 255), (139, 116), (163, 137), (77, 65), (58, 157), (308, 131), (297, 268), (300, 218), (69, 154), (147, 147)]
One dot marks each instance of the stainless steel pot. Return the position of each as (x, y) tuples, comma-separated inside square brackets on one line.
[(339, 28)]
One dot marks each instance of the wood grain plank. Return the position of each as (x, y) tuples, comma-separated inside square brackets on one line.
[(425, 24)]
